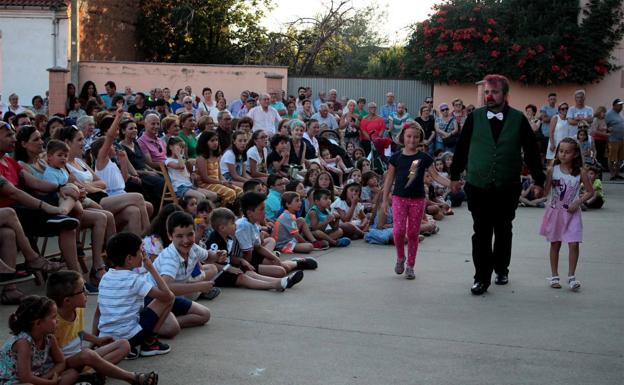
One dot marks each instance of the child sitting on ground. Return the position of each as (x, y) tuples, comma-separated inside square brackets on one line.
[(177, 265), (121, 312), (297, 186), (597, 199), (527, 195), (258, 252), (66, 288), (434, 206), (354, 222), (287, 230), (203, 228), (223, 238), (322, 222), (370, 189), (276, 185), (380, 233)]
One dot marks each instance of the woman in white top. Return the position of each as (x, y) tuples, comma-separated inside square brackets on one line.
[(559, 129), (257, 154), (233, 161), (129, 209)]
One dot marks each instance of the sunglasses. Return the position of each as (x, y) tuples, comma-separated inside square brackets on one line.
[(428, 101), (444, 109), (563, 109)]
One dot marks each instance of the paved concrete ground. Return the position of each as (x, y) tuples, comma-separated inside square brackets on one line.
[(355, 322)]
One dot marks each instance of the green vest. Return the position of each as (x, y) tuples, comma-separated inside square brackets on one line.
[(490, 163)]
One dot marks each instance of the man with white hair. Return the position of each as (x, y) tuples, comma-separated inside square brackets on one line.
[(264, 116), (154, 148), (333, 97), (325, 117), (389, 108), (579, 112), (224, 129)]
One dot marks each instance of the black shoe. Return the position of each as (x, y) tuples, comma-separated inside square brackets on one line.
[(153, 348), (478, 288), (62, 222), (134, 353), (501, 279), (308, 263), (294, 279)]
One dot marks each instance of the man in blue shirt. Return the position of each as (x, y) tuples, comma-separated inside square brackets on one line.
[(388, 108), (615, 128)]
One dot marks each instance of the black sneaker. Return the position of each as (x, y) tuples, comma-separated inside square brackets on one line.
[(308, 263), (154, 348), (62, 222), (294, 279), (135, 351)]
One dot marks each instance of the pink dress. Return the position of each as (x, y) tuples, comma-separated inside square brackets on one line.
[(559, 225)]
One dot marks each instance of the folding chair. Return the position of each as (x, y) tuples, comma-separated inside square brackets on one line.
[(169, 194)]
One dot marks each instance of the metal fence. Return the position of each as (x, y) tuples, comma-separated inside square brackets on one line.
[(410, 92)]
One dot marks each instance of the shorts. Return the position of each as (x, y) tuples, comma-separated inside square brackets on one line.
[(181, 305), (256, 260), (226, 279), (148, 320), (616, 151), (181, 190)]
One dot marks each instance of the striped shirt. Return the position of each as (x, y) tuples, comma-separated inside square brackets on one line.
[(171, 263), (121, 296)]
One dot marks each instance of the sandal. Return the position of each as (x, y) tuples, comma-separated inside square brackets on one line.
[(94, 277), (150, 378), (41, 267), (554, 282), (573, 283), (11, 297)]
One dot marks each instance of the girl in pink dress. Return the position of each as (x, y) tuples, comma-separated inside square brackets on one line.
[(562, 219)]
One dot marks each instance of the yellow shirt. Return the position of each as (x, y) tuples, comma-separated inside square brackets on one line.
[(69, 333)]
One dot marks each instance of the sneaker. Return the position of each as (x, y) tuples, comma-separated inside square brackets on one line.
[(399, 268), (409, 273), (154, 348), (62, 222), (212, 294), (573, 283), (343, 242), (306, 263), (320, 245), (91, 289), (135, 352), (295, 278)]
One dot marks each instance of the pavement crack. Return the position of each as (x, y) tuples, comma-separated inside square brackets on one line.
[(436, 339)]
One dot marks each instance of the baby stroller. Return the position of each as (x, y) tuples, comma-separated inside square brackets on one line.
[(329, 139), (379, 162)]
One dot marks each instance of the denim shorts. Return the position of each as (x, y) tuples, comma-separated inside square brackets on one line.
[(180, 191)]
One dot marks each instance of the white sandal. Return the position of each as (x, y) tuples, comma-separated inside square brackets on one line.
[(554, 282), (574, 284)]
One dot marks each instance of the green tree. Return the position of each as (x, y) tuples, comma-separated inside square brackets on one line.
[(387, 63), (536, 42), (202, 31)]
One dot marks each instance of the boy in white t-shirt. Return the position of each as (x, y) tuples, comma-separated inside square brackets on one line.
[(121, 308)]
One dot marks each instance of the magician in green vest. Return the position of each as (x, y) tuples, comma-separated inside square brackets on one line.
[(494, 142)]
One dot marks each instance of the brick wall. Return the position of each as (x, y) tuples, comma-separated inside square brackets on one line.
[(107, 30)]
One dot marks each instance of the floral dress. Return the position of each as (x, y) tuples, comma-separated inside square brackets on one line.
[(41, 360)]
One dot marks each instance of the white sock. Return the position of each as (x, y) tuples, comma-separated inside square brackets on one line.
[(284, 282)]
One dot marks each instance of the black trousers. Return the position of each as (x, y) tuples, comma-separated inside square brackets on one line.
[(493, 211)]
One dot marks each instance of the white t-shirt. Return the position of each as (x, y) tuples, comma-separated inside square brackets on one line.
[(178, 177), (585, 112), (170, 263), (344, 206), (111, 175), (267, 121), (120, 299), (253, 153), (229, 158), (314, 142)]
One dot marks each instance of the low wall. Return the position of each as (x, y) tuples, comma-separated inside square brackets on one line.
[(145, 76)]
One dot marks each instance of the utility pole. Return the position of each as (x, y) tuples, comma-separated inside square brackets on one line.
[(74, 43)]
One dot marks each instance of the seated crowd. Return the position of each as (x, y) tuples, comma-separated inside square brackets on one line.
[(252, 180)]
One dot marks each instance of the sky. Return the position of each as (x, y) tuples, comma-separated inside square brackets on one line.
[(400, 14)]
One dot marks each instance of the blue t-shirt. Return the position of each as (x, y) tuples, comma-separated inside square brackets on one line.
[(550, 112), (55, 175), (615, 125), (402, 164), (272, 204), (575, 112)]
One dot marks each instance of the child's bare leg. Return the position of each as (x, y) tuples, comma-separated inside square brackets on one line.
[(352, 231), (198, 194), (305, 230), (68, 377), (318, 234), (207, 194), (115, 351), (163, 311), (272, 270), (554, 258), (197, 315), (250, 281), (66, 204), (304, 247), (573, 258), (269, 243), (88, 357)]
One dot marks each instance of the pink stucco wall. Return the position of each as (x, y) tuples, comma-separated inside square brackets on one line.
[(145, 76)]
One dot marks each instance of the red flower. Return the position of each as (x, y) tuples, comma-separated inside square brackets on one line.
[(495, 54), (516, 47), (489, 30), (440, 20), (539, 48), (521, 63), (441, 48), (522, 78), (555, 68), (495, 40), (427, 56), (487, 38), (435, 72), (457, 46), (442, 13), (530, 52), (491, 21)]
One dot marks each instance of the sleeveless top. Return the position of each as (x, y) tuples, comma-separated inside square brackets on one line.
[(320, 215), (83, 174), (41, 359), (111, 175), (565, 188)]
